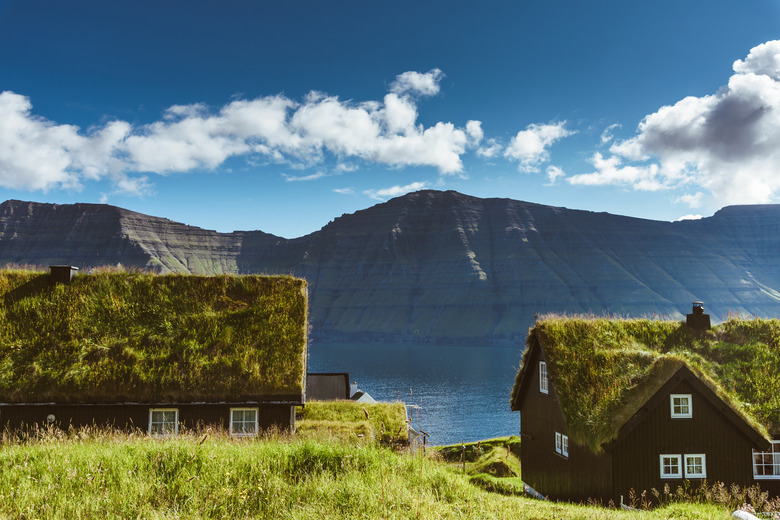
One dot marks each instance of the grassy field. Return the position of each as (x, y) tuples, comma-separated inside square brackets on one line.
[(209, 475)]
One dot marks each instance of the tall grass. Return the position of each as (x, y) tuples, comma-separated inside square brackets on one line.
[(103, 474)]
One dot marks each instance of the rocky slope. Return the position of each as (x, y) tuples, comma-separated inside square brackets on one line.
[(442, 266)]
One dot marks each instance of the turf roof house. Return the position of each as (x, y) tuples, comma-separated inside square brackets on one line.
[(151, 352), (613, 405)]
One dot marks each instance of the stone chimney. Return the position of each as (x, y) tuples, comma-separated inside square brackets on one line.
[(62, 273), (697, 319)]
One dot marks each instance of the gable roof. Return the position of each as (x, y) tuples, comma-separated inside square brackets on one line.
[(117, 337), (605, 370)]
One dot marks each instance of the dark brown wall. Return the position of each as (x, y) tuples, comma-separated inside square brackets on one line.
[(728, 450), (137, 415), (580, 477), (327, 387)]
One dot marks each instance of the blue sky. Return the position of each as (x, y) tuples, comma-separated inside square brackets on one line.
[(281, 116)]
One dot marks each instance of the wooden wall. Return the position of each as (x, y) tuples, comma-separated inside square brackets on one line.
[(636, 456), (125, 416), (581, 476)]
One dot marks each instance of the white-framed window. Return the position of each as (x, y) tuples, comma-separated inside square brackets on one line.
[(543, 382), (671, 466), (695, 465), (163, 422), (766, 464), (243, 422), (562, 444), (681, 406)]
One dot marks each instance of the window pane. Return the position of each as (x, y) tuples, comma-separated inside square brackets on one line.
[(243, 421)]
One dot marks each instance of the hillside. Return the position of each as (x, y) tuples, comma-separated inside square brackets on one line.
[(441, 266)]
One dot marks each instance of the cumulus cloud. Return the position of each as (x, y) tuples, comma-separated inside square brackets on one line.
[(689, 217), (490, 149), (553, 172), (395, 191), (530, 146), (725, 142), (38, 154), (421, 84)]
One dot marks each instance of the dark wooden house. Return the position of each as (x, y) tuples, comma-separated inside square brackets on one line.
[(157, 353), (608, 406)]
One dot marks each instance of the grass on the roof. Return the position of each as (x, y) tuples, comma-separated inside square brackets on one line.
[(605, 369), (118, 336)]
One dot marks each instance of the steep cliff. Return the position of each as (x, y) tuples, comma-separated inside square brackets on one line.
[(442, 266)]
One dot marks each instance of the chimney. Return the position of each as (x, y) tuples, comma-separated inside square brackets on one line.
[(697, 319), (62, 273), (353, 388)]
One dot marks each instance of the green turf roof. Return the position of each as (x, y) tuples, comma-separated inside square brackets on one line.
[(116, 336), (604, 370)]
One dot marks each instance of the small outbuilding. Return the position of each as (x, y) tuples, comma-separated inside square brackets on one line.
[(158, 353), (609, 406)]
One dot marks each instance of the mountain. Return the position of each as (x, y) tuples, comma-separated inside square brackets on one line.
[(443, 267)]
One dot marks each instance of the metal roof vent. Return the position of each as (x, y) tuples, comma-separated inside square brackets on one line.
[(62, 273), (697, 319)]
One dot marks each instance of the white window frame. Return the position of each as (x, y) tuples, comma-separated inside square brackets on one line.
[(544, 381), (770, 460), (681, 414), (688, 462), (672, 456), (562, 444), (253, 433), (165, 432)]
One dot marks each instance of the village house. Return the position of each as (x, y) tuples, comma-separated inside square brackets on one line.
[(157, 353), (609, 406)]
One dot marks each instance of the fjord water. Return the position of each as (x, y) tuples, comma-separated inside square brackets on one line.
[(462, 391)]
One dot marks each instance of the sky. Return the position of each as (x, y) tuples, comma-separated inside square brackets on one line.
[(281, 116)]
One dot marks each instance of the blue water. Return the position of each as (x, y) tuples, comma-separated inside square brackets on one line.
[(463, 392)]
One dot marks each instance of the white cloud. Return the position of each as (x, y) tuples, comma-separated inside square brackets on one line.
[(553, 172), (304, 178), (689, 217), (693, 200), (529, 146), (395, 191), (423, 84), (607, 135), (611, 170), (490, 149), (726, 143), (37, 154), (344, 191)]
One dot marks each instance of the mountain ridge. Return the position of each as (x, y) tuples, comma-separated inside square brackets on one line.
[(444, 267)]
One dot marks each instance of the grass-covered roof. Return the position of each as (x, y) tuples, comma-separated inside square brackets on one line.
[(117, 336), (604, 370)]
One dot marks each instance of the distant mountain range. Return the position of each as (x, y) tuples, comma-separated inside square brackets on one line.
[(442, 267)]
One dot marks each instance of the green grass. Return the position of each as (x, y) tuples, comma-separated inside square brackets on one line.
[(108, 475), (114, 336), (604, 369), (381, 422)]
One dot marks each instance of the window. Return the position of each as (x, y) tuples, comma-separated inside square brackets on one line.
[(243, 422), (670, 466), (682, 406), (562, 444), (163, 421), (695, 466), (766, 464), (543, 383)]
